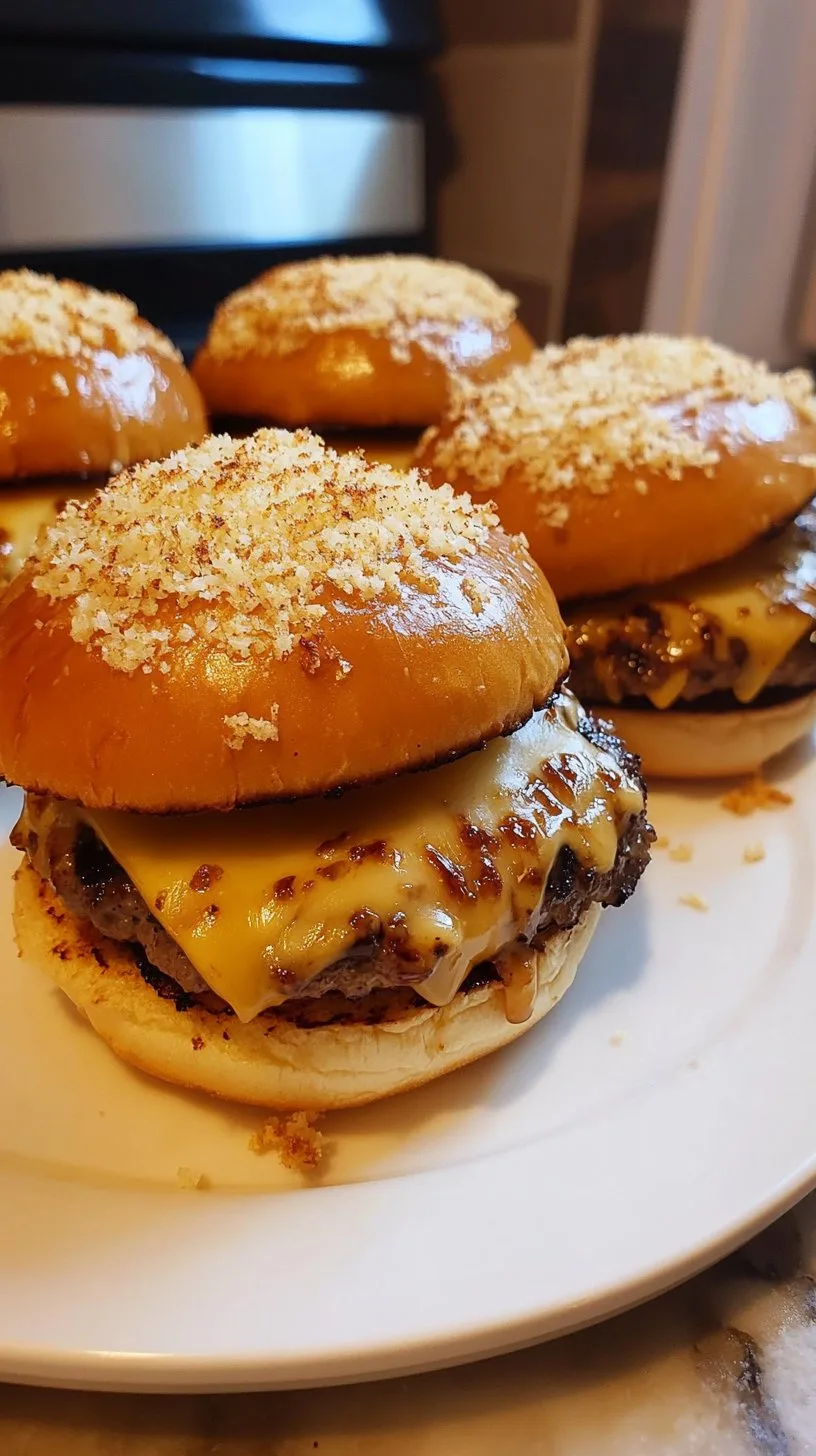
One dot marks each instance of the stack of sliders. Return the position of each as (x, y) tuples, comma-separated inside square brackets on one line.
[(309, 815), (665, 488), (365, 350), (86, 387)]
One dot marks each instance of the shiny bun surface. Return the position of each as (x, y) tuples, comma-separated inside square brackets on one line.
[(366, 342), (86, 385), (632, 459), (265, 619)]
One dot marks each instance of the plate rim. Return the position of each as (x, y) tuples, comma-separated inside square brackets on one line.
[(119, 1372), (789, 1172)]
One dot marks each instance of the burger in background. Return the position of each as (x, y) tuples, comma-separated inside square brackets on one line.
[(664, 486), (362, 349), (87, 387), (226, 639)]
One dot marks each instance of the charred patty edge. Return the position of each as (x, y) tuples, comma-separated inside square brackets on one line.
[(638, 661), (96, 888)]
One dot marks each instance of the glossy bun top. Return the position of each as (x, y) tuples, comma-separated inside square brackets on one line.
[(633, 459), (360, 342), (86, 385), (265, 619)]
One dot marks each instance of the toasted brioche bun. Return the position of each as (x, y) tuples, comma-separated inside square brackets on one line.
[(360, 342), (401, 679), (349, 378), (616, 524), (272, 1062), (386, 447), (110, 411), (23, 512), (674, 744), (87, 386)]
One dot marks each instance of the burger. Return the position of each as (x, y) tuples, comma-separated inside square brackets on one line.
[(664, 485), (363, 349), (309, 816), (86, 387)]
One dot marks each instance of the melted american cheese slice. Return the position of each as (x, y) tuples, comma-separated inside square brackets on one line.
[(23, 512), (447, 865), (765, 598)]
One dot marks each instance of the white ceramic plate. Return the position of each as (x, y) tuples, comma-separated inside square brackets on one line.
[(664, 1111)]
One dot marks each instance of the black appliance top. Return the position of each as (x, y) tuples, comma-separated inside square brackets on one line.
[(283, 28)]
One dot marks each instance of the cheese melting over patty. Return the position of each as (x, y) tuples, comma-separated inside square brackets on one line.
[(764, 598), (445, 868)]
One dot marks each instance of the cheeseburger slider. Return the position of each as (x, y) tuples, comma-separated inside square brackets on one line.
[(309, 818), (357, 345), (86, 387), (664, 486)]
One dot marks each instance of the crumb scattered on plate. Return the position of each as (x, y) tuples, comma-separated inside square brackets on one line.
[(191, 1179), (662, 841), (694, 902), (753, 853), (754, 794), (682, 853), (616, 1039), (296, 1139)]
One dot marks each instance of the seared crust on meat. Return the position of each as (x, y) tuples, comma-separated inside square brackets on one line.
[(705, 639), (307, 1061), (96, 888), (638, 660)]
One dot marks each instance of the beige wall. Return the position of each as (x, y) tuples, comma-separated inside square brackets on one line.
[(515, 82)]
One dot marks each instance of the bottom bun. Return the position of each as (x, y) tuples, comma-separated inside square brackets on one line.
[(272, 1062), (681, 745)]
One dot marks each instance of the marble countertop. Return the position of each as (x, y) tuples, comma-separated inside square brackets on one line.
[(724, 1365)]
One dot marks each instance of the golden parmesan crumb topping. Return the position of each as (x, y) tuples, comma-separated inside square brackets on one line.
[(237, 542), (754, 794), (295, 1137), (62, 320), (403, 299), (191, 1180), (693, 902), (240, 726), (578, 412)]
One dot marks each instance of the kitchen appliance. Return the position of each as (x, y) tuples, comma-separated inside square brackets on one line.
[(172, 151)]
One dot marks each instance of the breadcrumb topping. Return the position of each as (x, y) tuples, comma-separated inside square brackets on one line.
[(295, 1137), (401, 298), (240, 727), (61, 319), (238, 542), (576, 413), (191, 1180), (693, 902), (754, 794)]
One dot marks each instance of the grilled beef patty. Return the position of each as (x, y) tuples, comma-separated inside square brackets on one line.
[(92, 884), (629, 646), (637, 661)]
